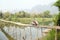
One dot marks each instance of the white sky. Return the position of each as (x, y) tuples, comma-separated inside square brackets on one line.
[(22, 4)]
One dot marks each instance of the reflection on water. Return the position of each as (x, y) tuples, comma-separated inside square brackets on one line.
[(29, 33)]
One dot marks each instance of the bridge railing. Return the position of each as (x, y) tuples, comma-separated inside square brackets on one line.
[(19, 31)]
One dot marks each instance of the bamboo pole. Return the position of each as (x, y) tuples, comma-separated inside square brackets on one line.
[(55, 34), (24, 38), (30, 34), (42, 32), (13, 31), (20, 34), (16, 33), (37, 34)]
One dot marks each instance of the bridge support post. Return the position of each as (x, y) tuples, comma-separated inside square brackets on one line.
[(30, 34), (58, 34)]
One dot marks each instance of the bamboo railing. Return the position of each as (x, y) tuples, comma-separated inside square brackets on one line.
[(20, 25)]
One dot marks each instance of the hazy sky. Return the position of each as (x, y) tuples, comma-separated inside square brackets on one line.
[(22, 4)]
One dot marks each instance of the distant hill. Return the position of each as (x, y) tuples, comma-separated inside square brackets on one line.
[(40, 8)]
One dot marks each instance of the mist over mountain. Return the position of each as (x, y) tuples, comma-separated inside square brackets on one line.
[(42, 8)]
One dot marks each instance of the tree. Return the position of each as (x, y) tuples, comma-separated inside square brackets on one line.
[(7, 15), (1, 15), (46, 14), (58, 19), (21, 14)]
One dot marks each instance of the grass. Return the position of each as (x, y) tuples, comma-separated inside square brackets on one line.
[(50, 35), (42, 21)]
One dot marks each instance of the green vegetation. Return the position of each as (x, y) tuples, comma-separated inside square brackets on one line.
[(58, 19), (44, 18), (42, 21), (23, 14), (50, 35)]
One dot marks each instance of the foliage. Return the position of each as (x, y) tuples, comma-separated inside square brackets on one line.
[(42, 21), (57, 3), (51, 35), (58, 19), (1, 15), (46, 14), (23, 14)]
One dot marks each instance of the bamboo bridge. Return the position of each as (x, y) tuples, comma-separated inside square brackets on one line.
[(17, 25)]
